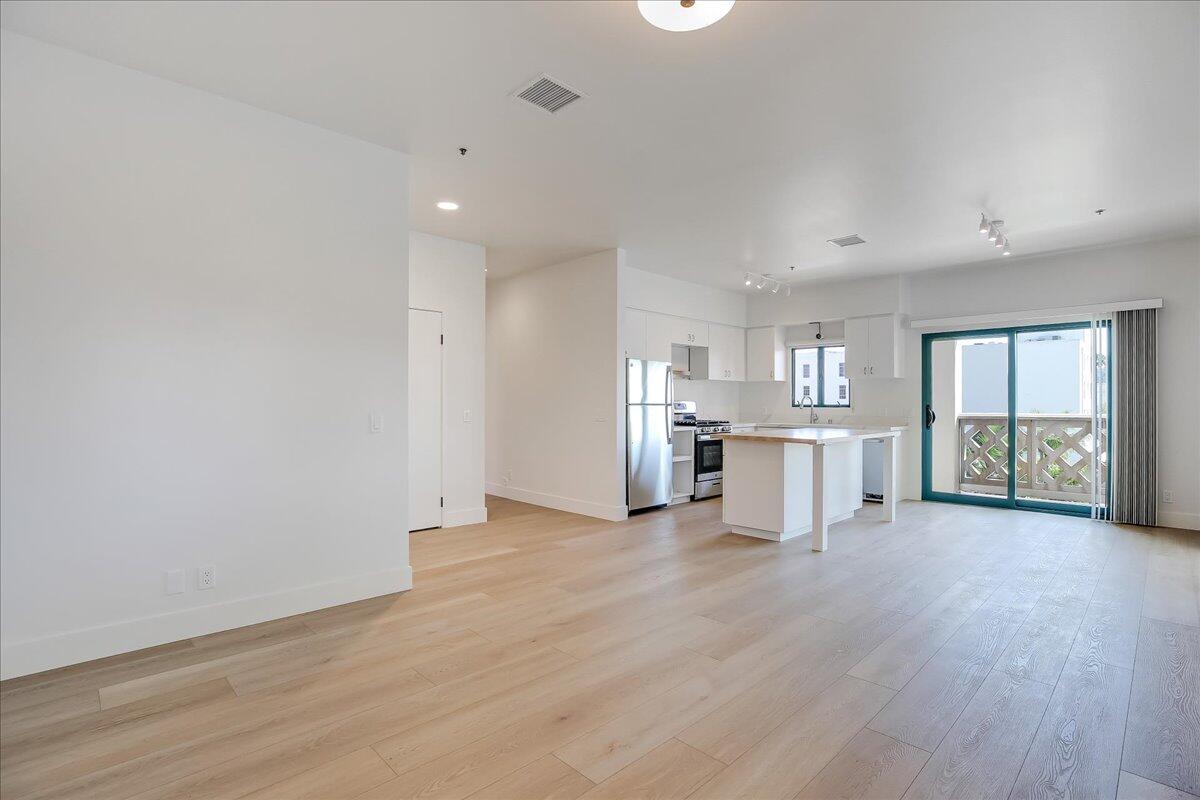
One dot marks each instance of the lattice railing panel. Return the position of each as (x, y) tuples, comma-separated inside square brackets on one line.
[(1057, 467)]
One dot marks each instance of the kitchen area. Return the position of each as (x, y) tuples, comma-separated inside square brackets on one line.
[(693, 435)]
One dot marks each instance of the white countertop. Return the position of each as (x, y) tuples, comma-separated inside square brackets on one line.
[(812, 435)]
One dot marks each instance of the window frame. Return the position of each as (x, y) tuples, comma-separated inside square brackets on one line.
[(820, 381)]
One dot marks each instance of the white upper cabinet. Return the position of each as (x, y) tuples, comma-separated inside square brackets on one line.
[(662, 331), (873, 347), (659, 333), (635, 333), (858, 345), (766, 355), (884, 347), (691, 332), (726, 353)]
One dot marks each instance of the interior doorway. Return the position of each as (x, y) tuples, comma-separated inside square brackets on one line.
[(1018, 417), (424, 419)]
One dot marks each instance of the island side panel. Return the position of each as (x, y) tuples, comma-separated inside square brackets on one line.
[(843, 479), (754, 478)]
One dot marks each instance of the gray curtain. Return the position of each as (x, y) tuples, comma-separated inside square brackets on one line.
[(1135, 418)]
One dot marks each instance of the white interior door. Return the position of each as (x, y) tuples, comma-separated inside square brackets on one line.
[(424, 419)]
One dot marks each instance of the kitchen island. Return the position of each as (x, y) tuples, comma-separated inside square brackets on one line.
[(780, 483)]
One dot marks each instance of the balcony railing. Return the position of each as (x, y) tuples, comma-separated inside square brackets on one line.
[(1058, 467)]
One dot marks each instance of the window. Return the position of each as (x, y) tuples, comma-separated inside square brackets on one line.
[(820, 373)]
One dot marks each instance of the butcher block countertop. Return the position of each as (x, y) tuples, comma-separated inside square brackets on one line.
[(822, 435)]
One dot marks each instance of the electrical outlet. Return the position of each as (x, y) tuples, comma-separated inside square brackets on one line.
[(206, 577), (1168, 496), (173, 581)]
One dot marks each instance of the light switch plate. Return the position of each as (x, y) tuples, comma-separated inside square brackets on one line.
[(376, 422)]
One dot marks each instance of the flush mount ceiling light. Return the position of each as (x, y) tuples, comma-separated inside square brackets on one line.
[(683, 15), (993, 231), (447, 205)]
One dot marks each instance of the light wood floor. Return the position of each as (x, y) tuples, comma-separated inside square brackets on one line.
[(959, 652)]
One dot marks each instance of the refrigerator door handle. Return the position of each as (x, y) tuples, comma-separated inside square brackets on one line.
[(670, 407)]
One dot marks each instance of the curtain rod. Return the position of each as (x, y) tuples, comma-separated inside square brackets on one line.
[(1064, 312)]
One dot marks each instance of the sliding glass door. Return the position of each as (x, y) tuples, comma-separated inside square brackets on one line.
[(1017, 417)]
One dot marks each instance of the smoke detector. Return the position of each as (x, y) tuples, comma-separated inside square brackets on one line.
[(547, 94)]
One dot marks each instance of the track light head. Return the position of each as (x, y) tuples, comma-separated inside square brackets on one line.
[(983, 225), (748, 281), (1007, 251)]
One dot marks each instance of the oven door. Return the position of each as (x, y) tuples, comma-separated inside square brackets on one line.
[(708, 458)]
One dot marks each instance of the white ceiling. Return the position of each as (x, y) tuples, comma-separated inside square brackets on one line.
[(741, 146)]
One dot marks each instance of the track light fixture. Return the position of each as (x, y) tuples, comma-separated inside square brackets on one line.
[(773, 285), (993, 229)]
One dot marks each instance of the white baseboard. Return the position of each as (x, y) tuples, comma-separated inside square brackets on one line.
[(585, 507), (1179, 519), (463, 516), (75, 647)]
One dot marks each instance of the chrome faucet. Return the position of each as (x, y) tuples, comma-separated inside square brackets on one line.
[(812, 406)]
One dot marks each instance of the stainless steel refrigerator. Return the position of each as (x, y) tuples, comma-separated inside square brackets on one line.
[(649, 418)]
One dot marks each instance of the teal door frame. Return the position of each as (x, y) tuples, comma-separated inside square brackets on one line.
[(1010, 500)]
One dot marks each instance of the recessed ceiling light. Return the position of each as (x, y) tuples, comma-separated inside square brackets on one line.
[(683, 15), (447, 205)]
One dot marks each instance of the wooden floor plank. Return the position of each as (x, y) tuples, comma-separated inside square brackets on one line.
[(671, 770), (871, 767), (898, 658), (928, 705), (982, 754), (544, 779), (1076, 753), (1135, 787), (663, 656), (340, 779), (789, 757), (1163, 739)]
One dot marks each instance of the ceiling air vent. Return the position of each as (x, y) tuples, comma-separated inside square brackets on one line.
[(847, 241), (547, 94)]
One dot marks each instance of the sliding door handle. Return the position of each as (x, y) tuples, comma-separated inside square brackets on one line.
[(930, 417)]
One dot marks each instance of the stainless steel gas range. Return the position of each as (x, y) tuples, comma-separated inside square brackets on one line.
[(707, 455)]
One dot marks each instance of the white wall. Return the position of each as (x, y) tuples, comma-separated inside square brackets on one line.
[(1167, 269), (653, 292), (447, 275), (554, 369), (202, 304)]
